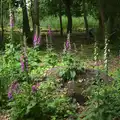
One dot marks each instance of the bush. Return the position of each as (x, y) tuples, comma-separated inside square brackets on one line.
[(104, 102), (45, 102)]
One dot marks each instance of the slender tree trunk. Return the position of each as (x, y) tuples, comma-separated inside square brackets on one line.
[(111, 28), (36, 16), (69, 15), (85, 19), (60, 16), (2, 28), (101, 22), (26, 27), (32, 15)]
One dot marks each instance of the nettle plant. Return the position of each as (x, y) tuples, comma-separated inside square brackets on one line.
[(43, 101)]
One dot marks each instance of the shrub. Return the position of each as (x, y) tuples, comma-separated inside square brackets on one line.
[(103, 103), (47, 102)]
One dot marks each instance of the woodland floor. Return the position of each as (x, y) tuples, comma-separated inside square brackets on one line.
[(84, 53)]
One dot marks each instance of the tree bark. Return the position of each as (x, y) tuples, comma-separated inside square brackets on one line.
[(26, 27), (85, 19), (32, 15), (101, 22), (111, 28), (2, 27), (36, 16), (60, 17), (69, 15)]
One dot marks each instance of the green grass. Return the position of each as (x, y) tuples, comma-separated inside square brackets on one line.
[(78, 22)]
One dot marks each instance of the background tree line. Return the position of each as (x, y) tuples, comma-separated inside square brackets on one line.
[(106, 12)]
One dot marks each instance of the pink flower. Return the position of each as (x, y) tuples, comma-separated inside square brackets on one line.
[(22, 62), (10, 95), (35, 40), (11, 20), (67, 44), (35, 87), (39, 40)]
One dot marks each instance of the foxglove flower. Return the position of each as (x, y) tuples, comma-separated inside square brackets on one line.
[(22, 62), (35, 87), (39, 40), (67, 44), (11, 19), (10, 95), (15, 85), (35, 40)]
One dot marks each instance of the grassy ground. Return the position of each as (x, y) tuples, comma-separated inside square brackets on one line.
[(78, 22)]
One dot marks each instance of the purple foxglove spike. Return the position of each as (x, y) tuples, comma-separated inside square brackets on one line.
[(10, 95), (35, 40), (27, 64), (34, 88), (15, 85), (67, 44), (11, 20), (22, 62), (39, 39)]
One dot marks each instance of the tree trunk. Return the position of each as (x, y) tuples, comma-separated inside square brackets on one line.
[(85, 19), (26, 27), (32, 15), (69, 16), (60, 16), (36, 16), (111, 28), (2, 28), (101, 22)]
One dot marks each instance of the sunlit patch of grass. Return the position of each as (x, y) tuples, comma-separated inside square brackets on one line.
[(78, 22)]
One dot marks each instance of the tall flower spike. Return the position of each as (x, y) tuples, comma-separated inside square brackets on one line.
[(106, 56), (39, 40), (64, 49), (22, 62), (10, 95), (68, 44), (11, 19), (35, 39), (75, 48), (96, 54), (47, 46)]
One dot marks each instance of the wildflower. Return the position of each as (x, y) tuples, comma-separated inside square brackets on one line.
[(35, 87), (22, 62), (26, 64), (11, 19), (35, 40), (15, 85), (38, 41), (10, 95), (67, 44)]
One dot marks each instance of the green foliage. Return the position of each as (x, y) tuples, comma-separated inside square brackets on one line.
[(71, 67), (78, 22), (47, 103), (103, 103)]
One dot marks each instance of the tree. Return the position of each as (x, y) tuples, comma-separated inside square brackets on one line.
[(85, 19), (26, 26), (68, 4), (60, 17), (36, 16)]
